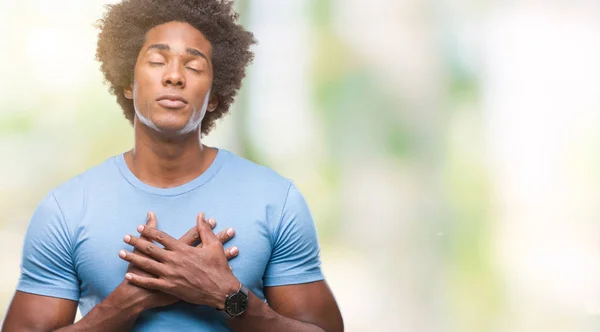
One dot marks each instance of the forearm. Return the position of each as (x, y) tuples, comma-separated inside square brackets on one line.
[(258, 316), (117, 312)]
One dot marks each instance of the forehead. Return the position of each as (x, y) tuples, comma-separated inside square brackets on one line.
[(178, 35)]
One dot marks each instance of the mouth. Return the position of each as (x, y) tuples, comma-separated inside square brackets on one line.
[(172, 101)]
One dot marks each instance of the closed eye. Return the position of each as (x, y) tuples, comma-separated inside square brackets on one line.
[(193, 69), (156, 63)]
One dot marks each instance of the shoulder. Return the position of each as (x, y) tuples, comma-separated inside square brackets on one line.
[(259, 178), (97, 175), (71, 195), (264, 185)]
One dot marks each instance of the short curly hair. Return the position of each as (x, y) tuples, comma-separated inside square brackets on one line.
[(122, 34)]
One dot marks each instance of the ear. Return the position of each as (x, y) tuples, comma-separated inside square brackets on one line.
[(213, 103), (128, 92)]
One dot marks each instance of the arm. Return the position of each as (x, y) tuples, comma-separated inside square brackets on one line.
[(202, 276), (31, 312), (298, 297), (303, 307), (306, 307), (118, 312)]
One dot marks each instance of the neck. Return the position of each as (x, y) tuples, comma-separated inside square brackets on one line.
[(167, 162)]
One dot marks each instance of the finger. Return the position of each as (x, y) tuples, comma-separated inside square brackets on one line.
[(146, 264), (150, 222), (231, 252), (225, 235), (146, 282), (192, 236), (153, 234), (206, 235), (146, 247)]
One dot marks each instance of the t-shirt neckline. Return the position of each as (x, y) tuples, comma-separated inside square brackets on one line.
[(174, 191)]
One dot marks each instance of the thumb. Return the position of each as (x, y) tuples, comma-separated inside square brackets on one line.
[(151, 222), (204, 230)]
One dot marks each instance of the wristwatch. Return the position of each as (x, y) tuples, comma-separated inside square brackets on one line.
[(236, 303)]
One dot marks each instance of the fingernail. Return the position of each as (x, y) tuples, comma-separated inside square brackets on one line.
[(234, 251), (148, 216), (128, 276), (230, 232), (122, 254), (140, 228), (127, 238), (212, 222)]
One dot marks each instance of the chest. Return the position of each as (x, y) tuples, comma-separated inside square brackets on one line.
[(99, 237)]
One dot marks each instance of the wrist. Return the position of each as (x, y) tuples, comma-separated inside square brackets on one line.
[(131, 298), (236, 302), (233, 286), (230, 287)]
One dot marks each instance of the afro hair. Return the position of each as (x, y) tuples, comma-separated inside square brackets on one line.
[(122, 33)]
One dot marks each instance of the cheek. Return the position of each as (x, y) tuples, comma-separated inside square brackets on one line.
[(140, 89), (136, 90), (201, 103), (145, 78)]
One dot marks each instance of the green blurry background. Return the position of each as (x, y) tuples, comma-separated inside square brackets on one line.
[(448, 149)]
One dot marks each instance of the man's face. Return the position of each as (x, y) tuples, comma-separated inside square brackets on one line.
[(172, 79)]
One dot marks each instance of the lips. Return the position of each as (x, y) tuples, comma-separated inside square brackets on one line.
[(171, 101)]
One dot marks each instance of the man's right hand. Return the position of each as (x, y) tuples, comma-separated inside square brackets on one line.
[(156, 298)]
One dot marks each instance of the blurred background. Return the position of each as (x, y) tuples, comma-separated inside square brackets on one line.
[(449, 150)]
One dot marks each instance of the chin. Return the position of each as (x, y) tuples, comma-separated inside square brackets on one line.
[(169, 122), (172, 128), (175, 128)]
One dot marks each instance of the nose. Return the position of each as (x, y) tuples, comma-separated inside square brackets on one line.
[(174, 76)]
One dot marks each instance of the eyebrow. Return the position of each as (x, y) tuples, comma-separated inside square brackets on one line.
[(189, 50)]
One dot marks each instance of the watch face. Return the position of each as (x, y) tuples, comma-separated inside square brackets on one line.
[(236, 304)]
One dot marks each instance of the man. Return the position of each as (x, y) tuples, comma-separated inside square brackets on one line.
[(175, 67)]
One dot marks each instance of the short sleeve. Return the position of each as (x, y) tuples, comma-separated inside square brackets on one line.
[(47, 266), (295, 258)]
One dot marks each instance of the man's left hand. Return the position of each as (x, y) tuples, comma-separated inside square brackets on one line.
[(199, 275)]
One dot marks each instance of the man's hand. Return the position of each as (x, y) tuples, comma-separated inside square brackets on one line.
[(190, 238), (199, 275)]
